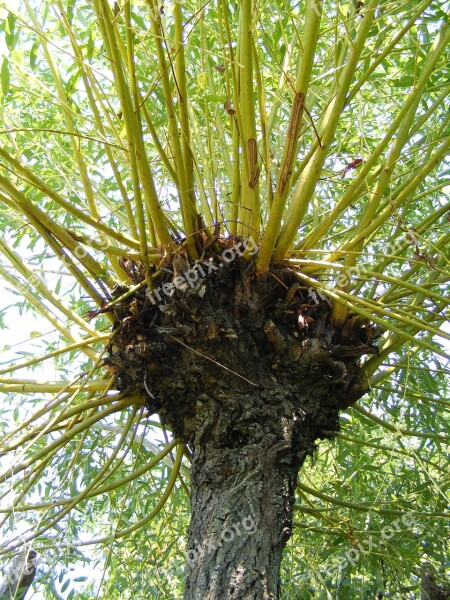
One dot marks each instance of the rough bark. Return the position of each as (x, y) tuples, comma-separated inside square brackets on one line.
[(248, 450), (19, 577), (249, 372), (429, 589)]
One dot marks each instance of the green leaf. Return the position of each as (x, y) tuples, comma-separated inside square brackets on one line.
[(90, 47), (34, 54), (5, 78), (71, 85), (58, 286), (215, 98), (70, 10), (140, 21), (10, 26)]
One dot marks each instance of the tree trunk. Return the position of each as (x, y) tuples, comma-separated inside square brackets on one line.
[(244, 471), (248, 371), (19, 577), (429, 589)]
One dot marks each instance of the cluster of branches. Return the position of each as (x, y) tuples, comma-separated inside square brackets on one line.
[(319, 130)]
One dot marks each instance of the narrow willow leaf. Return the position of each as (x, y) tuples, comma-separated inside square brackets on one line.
[(5, 77)]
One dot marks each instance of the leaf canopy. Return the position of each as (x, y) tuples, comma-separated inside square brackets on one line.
[(321, 130)]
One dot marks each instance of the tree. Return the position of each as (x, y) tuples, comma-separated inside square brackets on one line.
[(20, 577), (232, 216)]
